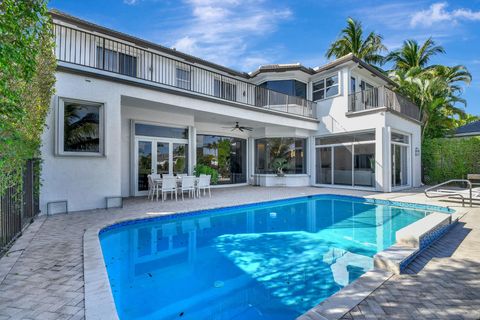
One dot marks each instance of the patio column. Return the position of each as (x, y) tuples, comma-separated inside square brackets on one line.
[(250, 160), (387, 162), (192, 154)]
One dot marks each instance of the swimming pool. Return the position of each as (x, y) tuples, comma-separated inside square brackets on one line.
[(272, 260)]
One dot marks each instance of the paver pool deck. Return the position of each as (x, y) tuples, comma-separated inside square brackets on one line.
[(41, 277)]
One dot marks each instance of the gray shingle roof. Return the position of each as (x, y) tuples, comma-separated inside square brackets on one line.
[(471, 128)]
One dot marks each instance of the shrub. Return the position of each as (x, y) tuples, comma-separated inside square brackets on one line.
[(203, 169), (27, 78), (450, 158)]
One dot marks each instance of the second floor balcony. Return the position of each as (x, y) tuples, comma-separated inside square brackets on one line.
[(79, 49), (382, 97)]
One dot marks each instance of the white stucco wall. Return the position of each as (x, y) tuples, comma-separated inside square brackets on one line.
[(86, 181), (83, 181)]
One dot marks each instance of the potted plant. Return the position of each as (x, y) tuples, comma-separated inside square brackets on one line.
[(279, 165)]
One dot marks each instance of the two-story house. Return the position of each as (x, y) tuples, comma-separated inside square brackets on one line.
[(125, 107)]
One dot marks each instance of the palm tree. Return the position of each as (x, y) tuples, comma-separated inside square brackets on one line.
[(412, 55), (351, 40), (435, 98), (452, 75)]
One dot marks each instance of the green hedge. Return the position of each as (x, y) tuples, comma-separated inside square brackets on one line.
[(450, 158)]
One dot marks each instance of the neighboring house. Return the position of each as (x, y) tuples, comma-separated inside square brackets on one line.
[(125, 107), (471, 129)]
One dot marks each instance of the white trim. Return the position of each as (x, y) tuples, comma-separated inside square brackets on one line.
[(59, 128), (409, 159)]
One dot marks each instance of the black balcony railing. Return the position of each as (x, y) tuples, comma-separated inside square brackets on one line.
[(382, 97), (91, 50), (19, 205)]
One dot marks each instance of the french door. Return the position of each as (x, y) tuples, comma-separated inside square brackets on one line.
[(399, 157), (158, 155)]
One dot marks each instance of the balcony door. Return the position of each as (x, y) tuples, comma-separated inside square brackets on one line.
[(158, 155)]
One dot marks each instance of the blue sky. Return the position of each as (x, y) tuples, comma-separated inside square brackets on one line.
[(244, 34)]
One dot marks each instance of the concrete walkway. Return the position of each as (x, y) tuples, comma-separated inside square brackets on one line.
[(42, 275)]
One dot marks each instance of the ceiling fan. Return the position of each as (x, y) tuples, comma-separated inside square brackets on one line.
[(238, 127)]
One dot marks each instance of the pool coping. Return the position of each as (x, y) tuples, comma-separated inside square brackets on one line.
[(100, 304)]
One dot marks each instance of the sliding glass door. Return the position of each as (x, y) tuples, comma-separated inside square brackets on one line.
[(346, 160), (342, 165), (324, 165)]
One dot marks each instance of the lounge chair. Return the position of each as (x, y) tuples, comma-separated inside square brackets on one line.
[(468, 193)]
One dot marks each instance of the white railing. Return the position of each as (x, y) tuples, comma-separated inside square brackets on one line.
[(382, 97), (82, 48)]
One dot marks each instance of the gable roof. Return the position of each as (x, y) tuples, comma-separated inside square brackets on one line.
[(281, 68), (362, 64), (470, 129)]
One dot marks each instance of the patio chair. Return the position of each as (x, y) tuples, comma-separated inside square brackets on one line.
[(204, 183), (153, 186), (169, 184), (188, 184), (167, 175), (181, 175)]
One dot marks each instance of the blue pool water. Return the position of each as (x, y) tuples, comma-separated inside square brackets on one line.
[(264, 261)]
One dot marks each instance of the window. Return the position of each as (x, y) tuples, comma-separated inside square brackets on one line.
[(183, 78), (353, 85), (226, 155), (398, 137), (116, 62), (150, 130), (289, 150), (325, 88), (80, 127), (291, 87), (345, 138), (225, 90)]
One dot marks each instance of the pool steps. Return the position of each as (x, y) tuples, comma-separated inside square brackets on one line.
[(412, 240)]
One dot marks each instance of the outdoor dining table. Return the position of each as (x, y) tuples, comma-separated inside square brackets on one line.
[(179, 180)]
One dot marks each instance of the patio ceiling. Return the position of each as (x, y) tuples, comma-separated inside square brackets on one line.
[(199, 116)]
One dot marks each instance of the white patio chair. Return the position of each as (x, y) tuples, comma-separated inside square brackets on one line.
[(150, 186), (153, 185), (169, 184), (167, 175), (204, 183), (181, 175), (188, 184)]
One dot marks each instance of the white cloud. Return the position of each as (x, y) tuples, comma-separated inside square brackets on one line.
[(438, 13), (224, 31), (131, 2)]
